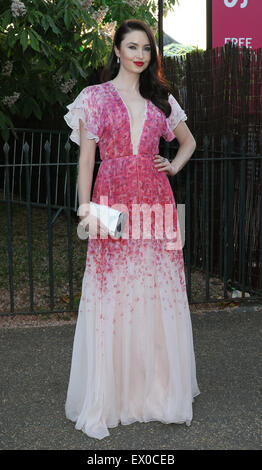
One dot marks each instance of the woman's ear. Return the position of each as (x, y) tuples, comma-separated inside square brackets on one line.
[(116, 51)]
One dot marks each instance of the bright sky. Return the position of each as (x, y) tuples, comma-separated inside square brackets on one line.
[(187, 23)]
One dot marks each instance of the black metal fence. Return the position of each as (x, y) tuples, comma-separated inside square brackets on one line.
[(43, 260)]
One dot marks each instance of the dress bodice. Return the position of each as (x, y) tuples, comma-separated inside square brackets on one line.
[(107, 120)]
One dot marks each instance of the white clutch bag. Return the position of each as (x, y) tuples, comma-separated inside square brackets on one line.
[(113, 220)]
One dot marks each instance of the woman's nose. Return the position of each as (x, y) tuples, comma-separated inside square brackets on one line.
[(140, 55)]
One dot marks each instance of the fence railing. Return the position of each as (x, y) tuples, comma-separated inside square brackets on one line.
[(43, 260)]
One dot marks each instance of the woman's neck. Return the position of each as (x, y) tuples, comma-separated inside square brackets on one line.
[(126, 81)]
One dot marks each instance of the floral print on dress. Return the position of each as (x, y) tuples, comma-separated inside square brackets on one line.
[(133, 356)]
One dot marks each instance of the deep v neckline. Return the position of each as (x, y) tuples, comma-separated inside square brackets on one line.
[(134, 145)]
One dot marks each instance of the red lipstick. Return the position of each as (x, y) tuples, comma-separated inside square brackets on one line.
[(139, 63)]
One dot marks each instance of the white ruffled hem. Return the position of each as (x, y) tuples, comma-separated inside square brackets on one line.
[(75, 113), (101, 429)]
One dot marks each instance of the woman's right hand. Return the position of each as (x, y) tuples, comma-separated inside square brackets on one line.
[(94, 226)]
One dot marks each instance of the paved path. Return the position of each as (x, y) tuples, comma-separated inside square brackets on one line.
[(35, 364)]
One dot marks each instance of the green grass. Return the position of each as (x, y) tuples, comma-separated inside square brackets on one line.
[(40, 263), (40, 260)]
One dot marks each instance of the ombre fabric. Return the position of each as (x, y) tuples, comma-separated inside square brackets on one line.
[(133, 356)]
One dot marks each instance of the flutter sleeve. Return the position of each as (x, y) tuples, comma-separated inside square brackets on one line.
[(85, 107), (177, 115)]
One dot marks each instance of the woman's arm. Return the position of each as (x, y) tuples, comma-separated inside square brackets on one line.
[(86, 170), (187, 146)]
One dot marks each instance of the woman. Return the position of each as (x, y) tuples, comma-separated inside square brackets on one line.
[(133, 357)]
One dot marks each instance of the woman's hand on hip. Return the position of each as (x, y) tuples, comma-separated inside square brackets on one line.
[(163, 164)]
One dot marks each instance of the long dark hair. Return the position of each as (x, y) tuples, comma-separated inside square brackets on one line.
[(152, 83)]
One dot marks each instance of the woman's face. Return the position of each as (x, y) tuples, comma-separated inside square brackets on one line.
[(135, 47)]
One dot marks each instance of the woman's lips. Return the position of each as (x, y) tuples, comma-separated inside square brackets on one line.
[(139, 63)]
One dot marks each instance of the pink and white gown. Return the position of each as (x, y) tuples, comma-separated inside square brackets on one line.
[(133, 356)]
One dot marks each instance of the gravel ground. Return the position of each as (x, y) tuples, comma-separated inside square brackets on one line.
[(35, 372)]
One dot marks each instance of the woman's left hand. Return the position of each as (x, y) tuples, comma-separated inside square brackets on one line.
[(163, 164)]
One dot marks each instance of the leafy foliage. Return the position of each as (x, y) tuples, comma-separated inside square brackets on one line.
[(48, 48)]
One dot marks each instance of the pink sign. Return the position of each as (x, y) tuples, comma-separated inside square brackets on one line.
[(238, 22)]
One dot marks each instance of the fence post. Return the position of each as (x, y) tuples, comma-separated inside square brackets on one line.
[(29, 225), (9, 228), (251, 179), (49, 226), (231, 191), (260, 244), (212, 201), (206, 212), (226, 213), (242, 212)]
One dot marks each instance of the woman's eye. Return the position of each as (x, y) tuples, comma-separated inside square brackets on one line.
[(133, 47)]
